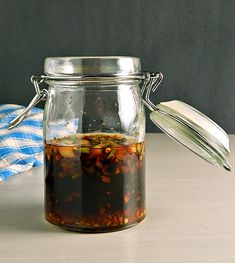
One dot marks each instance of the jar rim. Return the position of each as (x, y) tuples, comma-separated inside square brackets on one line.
[(92, 66)]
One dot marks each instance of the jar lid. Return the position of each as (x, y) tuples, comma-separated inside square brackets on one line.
[(92, 66), (193, 130)]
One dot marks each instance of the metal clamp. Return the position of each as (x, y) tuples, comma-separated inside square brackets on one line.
[(40, 95), (151, 82)]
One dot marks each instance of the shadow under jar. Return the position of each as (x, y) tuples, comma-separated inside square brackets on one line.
[(94, 131)]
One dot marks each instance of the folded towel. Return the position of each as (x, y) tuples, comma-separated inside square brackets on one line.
[(20, 148)]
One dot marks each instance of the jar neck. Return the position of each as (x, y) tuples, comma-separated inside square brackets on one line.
[(93, 82)]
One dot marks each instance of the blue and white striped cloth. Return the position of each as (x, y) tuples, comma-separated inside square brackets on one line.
[(20, 148)]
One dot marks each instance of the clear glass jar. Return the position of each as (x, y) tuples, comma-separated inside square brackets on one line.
[(94, 133), (94, 130), (94, 151)]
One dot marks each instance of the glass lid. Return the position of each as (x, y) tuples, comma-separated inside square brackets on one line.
[(193, 130), (92, 66)]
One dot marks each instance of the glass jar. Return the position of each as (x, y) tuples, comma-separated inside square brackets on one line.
[(94, 150), (94, 145), (94, 131)]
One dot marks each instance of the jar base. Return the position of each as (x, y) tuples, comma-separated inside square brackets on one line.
[(84, 229)]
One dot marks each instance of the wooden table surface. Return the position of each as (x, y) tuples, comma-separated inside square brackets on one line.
[(190, 216)]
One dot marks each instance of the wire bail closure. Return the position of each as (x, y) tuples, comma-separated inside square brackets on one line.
[(40, 95), (151, 82)]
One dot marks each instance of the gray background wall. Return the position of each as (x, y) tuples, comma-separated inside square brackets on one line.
[(191, 41)]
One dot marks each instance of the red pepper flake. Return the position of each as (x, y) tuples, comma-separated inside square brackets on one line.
[(126, 198), (115, 219), (105, 179), (57, 157), (55, 150), (138, 213), (117, 170), (126, 169), (121, 153)]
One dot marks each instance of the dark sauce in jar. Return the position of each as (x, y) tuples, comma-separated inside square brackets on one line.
[(94, 182)]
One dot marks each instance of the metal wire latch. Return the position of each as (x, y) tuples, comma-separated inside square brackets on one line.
[(151, 82), (40, 95)]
